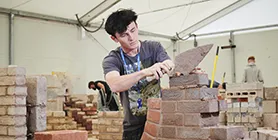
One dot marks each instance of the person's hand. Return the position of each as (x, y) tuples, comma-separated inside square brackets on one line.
[(157, 70), (170, 65)]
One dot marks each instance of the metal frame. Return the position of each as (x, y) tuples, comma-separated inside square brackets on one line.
[(11, 39), (96, 11), (213, 17), (66, 21)]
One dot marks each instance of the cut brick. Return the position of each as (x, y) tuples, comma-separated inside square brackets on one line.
[(17, 110), (17, 130), (12, 138), (3, 71), (203, 119), (13, 120), (62, 135), (196, 106), (3, 130), (151, 128), (12, 80), (176, 119), (37, 86), (3, 110), (154, 103), (37, 119), (270, 120), (12, 100), (17, 90), (189, 80), (3, 90), (173, 93), (270, 106), (271, 93), (227, 132), (193, 133)]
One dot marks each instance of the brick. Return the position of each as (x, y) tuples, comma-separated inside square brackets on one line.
[(243, 86), (59, 114), (154, 103), (3, 130), (13, 120), (227, 132), (37, 118), (12, 100), (59, 127), (112, 114), (3, 71), (168, 106), (195, 106), (174, 93), (254, 135), (271, 93), (193, 133), (113, 129), (12, 80), (56, 120), (117, 122), (17, 110), (105, 121), (3, 110), (202, 93), (146, 136), (203, 119), (3, 90), (17, 90), (264, 134), (167, 131), (270, 106), (189, 80), (16, 71), (37, 90), (172, 119), (269, 120), (62, 135), (17, 130), (273, 136), (222, 117), (52, 93), (153, 116), (151, 128), (12, 138), (230, 117), (223, 105)]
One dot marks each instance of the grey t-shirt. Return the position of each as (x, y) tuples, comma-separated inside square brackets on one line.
[(150, 53)]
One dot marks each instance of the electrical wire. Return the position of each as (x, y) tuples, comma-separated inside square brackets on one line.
[(79, 22), (95, 40), (187, 13)]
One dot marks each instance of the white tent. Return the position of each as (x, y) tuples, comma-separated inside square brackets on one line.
[(32, 34)]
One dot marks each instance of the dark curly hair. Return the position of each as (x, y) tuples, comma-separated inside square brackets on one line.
[(119, 20)]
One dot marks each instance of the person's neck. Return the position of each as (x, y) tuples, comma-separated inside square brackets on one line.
[(133, 52)]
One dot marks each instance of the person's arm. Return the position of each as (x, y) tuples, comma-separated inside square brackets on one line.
[(244, 77), (120, 83), (101, 86), (260, 76)]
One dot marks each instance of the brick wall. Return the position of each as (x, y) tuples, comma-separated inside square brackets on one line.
[(13, 92), (187, 110), (110, 125)]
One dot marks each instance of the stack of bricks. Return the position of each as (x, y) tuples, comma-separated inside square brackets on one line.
[(245, 104), (270, 107), (55, 93), (110, 125), (36, 100), (13, 94), (57, 120), (84, 113), (187, 110), (264, 134)]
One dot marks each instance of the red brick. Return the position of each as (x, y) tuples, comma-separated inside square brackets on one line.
[(195, 106), (168, 106), (154, 103), (151, 128), (153, 116), (146, 136), (172, 119), (62, 135)]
